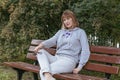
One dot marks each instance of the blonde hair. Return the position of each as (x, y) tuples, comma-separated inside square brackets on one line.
[(69, 14)]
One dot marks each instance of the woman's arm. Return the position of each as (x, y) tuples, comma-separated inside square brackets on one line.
[(40, 46), (85, 52), (48, 43), (52, 41)]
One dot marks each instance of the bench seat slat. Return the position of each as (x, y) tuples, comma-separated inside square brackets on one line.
[(23, 66), (105, 58), (35, 69), (102, 68), (77, 77)]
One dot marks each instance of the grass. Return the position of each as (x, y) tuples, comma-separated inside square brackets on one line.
[(7, 73), (98, 74)]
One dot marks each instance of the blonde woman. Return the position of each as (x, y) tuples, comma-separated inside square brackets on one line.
[(72, 48)]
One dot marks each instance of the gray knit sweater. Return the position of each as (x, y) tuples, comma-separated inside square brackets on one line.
[(71, 43)]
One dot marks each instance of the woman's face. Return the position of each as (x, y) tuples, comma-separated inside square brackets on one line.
[(68, 23)]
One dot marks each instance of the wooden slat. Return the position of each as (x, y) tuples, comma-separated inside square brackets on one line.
[(36, 42), (106, 50), (105, 58), (31, 49), (86, 77), (31, 56), (33, 68), (77, 77), (102, 68), (23, 66), (50, 50)]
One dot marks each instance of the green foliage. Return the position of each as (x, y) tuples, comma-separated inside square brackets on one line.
[(23, 20), (100, 18), (27, 19)]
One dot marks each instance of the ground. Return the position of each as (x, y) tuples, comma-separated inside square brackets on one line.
[(7, 73)]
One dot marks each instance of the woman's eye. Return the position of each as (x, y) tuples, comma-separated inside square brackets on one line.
[(68, 18), (64, 19)]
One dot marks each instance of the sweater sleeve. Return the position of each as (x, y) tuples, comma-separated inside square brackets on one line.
[(52, 41), (85, 52)]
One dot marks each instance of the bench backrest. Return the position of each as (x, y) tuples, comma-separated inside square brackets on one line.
[(34, 43), (101, 58)]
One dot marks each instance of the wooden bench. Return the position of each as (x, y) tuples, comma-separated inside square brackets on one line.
[(103, 60)]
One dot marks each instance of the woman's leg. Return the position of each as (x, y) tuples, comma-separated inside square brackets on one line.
[(62, 65), (44, 58)]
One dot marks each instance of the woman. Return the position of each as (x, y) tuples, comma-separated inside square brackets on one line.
[(72, 48)]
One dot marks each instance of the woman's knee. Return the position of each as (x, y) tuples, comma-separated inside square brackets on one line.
[(40, 52)]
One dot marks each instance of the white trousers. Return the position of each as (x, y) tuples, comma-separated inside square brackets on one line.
[(54, 64)]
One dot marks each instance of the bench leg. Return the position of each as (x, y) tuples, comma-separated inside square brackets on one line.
[(35, 75), (19, 73), (108, 76)]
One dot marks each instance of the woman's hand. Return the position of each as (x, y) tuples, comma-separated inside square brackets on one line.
[(36, 49), (76, 70), (40, 46)]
